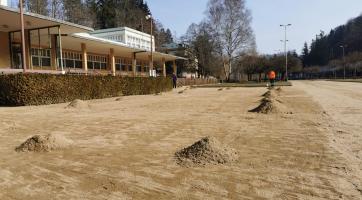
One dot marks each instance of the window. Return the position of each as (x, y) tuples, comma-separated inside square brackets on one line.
[(40, 57), (118, 64), (72, 60), (139, 68), (96, 62), (123, 64)]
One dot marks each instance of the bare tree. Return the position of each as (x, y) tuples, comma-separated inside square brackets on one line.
[(230, 24), (56, 9)]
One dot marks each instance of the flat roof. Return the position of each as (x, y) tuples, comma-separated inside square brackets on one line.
[(10, 21)]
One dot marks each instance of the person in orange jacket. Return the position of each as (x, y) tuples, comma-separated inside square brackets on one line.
[(271, 77)]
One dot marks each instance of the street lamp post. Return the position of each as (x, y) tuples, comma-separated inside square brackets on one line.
[(285, 50), (344, 64), (149, 17)]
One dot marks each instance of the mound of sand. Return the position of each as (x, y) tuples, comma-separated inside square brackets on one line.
[(79, 104), (44, 143), (206, 151), (269, 106), (271, 94), (181, 92), (220, 89), (119, 99)]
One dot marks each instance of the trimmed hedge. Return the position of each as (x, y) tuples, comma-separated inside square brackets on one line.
[(43, 89)]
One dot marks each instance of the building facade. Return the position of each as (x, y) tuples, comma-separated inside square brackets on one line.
[(55, 46), (130, 37)]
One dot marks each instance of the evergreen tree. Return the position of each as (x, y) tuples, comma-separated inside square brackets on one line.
[(305, 54)]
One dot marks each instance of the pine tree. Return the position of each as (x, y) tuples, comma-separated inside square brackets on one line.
[(305, 55)]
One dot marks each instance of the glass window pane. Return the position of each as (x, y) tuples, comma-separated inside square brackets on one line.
[(45, 62), (69, 63), (35, 61), (90, 65), (78, 64), (97, 65)]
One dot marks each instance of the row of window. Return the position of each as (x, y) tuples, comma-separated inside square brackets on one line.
[(97, 62), (40, 57), (138, 43), (73, 60), (118, 38)]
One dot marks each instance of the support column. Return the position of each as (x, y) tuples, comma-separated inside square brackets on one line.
[(134, 64), (84, 58), (112, 62), (174, 66), (27, 50), (163, 67), (60, 50), (150, 61), (53, 41)]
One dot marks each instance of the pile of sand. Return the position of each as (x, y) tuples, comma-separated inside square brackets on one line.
[(279, 89), (220, 89), (269, 94), (206, 151), (266, 106), (270, 103), (79, 104), (44, 143)]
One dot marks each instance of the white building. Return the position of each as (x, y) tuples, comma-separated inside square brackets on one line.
[(130, 37), (4, 2)]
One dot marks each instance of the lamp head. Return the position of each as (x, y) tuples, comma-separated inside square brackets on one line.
[(148, 17)]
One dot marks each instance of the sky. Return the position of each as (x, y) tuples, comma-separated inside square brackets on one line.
[(308, 18)]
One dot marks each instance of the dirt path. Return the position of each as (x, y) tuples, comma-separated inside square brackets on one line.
[(343, 104), (124, 149)]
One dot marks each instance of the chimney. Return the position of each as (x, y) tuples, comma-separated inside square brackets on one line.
[(3, 2)]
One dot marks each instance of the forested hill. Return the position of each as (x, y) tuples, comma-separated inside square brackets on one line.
[(101, 14), (328, 47)]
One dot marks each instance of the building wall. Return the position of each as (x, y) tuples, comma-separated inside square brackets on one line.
[(4, 2), (136, 39), (4, 50), (128, 36)]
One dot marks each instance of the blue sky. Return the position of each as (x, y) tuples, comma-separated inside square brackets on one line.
[(308, 18)]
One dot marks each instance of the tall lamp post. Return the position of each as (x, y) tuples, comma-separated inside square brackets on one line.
[(149, 17), (22, 35), (285, 49), (344, 64)]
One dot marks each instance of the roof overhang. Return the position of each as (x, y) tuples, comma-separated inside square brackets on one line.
[(103, 46), (10, 21)]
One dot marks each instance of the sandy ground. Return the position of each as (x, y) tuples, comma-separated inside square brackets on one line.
[(125, 149)]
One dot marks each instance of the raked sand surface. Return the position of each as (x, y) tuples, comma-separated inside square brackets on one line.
[(125, 149)]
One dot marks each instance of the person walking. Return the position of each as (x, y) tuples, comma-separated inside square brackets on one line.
[(174, 80), (271, 77)]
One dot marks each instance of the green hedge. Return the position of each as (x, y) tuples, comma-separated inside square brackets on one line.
[(42, 89)]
